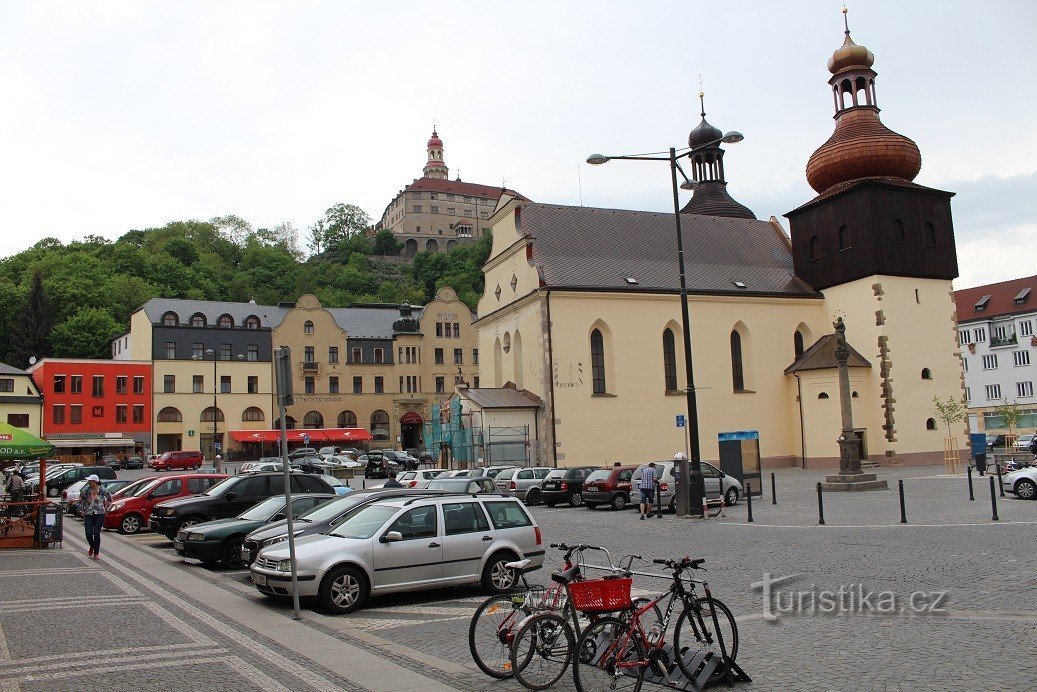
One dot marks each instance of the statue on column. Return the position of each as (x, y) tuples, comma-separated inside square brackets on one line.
[(849, 445)]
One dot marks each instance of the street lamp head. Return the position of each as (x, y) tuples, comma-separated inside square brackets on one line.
[(241, 356), (209, 351), (597, 159), (732, 137), (689, 184)]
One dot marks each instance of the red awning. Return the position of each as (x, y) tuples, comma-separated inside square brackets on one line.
[(410, 417), (255, 435), (347, 434), (315, 435)]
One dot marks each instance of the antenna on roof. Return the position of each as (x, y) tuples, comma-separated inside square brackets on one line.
[(579, 180)]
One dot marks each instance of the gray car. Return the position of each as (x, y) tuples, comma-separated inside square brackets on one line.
[(463, 485), (406, 544), (716, 482), (525, 484)]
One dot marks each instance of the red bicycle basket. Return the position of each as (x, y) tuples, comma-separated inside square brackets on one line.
[(600, 595)]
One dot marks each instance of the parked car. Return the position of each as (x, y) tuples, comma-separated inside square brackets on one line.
[(717, 484), (337, 485), (228, 498), (376, 465), (463, 485), (566, 485), (995, 442), (265, 467), (70, 495), (406, 544), (182, 461), (344, 461), (608, 487), (525, 484), (317, 520), (131, 512), (111, 460), (63, 478), (418, 479), (489, 471), (325, 452), (219, 541), (302, 452), (1021, 483), (405, 461)]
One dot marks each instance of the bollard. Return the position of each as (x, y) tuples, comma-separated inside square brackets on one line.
[(972, 496), (749, 500), (1000, 485), (659, 500), (820, 505), (903, 509), (774, 492), (993, 498)]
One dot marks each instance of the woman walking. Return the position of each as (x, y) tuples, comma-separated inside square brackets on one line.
[(94, 502)]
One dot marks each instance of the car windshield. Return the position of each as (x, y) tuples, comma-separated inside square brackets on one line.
[(143, 489), (330, 510), (506, 474), (556, 474), (222, 486), (264, 509), (599, 475), (364, 523), (332, 481)]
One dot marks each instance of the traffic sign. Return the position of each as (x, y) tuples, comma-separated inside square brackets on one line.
[(217, 446), (681, 421)]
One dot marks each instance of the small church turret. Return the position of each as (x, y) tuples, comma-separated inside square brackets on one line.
[(707, 168), (435, 167)]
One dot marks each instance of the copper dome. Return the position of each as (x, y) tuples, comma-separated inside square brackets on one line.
[(704, 133), (861, 147), (435, 142), (850, 55)]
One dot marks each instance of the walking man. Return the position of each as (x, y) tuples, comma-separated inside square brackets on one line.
[(94, 502), (392, 482), (647, 487)]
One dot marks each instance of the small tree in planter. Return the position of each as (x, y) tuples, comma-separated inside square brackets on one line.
[(1010, 413), (950, 411)]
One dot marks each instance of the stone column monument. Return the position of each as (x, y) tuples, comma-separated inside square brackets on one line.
[(850, 476)]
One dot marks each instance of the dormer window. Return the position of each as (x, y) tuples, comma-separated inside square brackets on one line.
[(739, 284), (198, 320), (981, 304), (1021, 296)]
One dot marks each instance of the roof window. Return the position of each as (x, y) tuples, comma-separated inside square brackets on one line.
[(1021, 296), (739, 284), (981, 304), (632, 281)]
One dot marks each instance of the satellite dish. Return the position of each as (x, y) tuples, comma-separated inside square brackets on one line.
[(32, 360)]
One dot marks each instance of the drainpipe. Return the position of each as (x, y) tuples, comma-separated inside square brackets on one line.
[(551, 378), (802, 430)]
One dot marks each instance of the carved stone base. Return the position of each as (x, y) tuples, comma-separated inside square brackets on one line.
[(853, 482)]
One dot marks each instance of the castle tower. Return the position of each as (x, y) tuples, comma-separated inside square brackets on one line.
[(434, 166), (881, 249), (711, 197)]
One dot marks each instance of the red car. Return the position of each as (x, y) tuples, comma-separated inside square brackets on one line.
[(132, 511), (608, 487), (187, 461)]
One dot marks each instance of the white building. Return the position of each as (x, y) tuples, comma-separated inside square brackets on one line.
[(996, 326)]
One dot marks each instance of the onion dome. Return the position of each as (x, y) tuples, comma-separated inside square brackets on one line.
[(862, 147), (435, 142), (850, 55), (704, 133)]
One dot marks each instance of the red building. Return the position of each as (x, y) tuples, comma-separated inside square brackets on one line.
[(95, 407)]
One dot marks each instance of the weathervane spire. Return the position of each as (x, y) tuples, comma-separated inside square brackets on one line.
[(702, 99), (846, 21)]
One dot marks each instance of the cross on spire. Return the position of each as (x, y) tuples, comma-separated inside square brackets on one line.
[(846, 21)]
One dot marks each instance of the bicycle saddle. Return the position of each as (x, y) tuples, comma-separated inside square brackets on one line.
[(518, 565), (566, 575)]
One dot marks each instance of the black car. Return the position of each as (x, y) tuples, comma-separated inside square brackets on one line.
[(133, 463), (77, 473), (377, 465), (566, 485), (319, 519), (228, 498), (406, 462)]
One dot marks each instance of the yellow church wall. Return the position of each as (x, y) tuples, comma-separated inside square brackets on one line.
[(635, 420), (916, 319), (822, 416)]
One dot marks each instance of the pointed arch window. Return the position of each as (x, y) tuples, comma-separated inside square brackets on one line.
[(797, 343), (670, 360), (737, 370), (598, 362), (815, 248)]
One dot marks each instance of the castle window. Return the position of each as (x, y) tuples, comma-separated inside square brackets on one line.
[(669, 360), (927, 374), (929, 234), (737, 373), (597, 361), (899, 234), (844, 238), (930, 424), (815, 248)]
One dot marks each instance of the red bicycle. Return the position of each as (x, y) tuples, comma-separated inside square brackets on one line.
[(615, 653)]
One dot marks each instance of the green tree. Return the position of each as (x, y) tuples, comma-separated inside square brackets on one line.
[(182, 250), (87, 334), (950, 411), (345, 221), (385, 243), (31, 330), (1009, 413)]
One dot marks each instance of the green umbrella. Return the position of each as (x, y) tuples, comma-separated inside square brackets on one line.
[(18, 444)]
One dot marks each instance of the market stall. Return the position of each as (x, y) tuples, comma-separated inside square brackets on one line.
[(20, 525)]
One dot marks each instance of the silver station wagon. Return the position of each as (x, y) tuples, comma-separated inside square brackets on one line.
[(406, 544)]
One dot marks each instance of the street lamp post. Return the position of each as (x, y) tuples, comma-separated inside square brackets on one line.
[(215, 418), (694, 491)]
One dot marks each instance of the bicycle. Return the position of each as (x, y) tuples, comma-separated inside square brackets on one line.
[(616, 653), (543, 645)]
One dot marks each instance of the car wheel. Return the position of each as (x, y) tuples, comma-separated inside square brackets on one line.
[(1025, 489), (619, 501), (186, 523), (52, 492), (342, 591), (590, 505), (533, 496), (497, 578), (575, 500), (731, 496), (673, 504), (230, 556), (131, 523)]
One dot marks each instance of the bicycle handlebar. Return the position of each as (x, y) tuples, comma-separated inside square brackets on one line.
[(681, 565)]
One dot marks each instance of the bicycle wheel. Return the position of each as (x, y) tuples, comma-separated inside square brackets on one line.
[(704, 632), (491, 632), (542, 650), (611, 657)]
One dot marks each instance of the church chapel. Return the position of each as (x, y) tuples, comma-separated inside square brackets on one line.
[(588, 323)]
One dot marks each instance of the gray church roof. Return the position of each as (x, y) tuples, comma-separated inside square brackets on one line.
[(588, 248)]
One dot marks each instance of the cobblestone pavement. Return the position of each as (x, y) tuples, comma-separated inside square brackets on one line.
[(215, 619)]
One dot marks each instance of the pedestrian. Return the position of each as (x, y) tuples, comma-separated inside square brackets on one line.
[(94, 502), (16, 486), (647, 487), (392, 482)]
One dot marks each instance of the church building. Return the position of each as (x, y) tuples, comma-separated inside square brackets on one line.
[(581, 309)]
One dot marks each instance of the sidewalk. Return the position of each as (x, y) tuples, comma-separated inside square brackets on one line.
[(141, 623)]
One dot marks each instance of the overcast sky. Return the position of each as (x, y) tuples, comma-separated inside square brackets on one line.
[(122, 115)]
